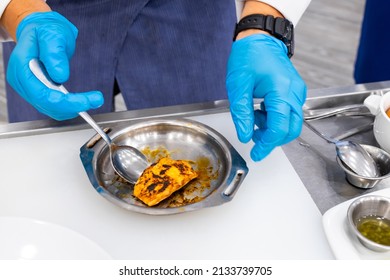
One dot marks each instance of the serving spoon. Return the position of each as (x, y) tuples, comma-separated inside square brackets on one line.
[(352, 154), (127, 161)]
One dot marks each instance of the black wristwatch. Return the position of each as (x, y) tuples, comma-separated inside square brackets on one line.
[(278, 27)]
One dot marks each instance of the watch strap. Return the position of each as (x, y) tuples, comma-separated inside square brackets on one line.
[(278, 27)]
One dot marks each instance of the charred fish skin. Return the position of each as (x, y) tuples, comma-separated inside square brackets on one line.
[(162, 179)]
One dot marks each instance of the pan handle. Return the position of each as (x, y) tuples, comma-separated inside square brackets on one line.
[(235, 183)]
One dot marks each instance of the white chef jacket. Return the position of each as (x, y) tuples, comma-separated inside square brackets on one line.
[(292, 10), (3, 5)]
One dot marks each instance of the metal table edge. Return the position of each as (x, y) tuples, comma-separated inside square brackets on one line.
[(51, 126), (21, 129)]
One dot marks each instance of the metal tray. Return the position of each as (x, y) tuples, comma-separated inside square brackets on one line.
[(340, 99), (315, 160), (221, 169)]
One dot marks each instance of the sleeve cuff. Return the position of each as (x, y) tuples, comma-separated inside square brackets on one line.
[(3, 5), (291, 10), (3, 34)]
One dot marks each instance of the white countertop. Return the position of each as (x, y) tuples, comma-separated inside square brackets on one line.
[(272, 215)]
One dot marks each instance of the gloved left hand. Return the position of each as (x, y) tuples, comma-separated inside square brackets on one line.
[(259, 67)]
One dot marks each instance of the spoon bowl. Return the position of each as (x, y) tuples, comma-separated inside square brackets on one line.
[(357, 158), (127, 161), (382, 159), (352, 154)]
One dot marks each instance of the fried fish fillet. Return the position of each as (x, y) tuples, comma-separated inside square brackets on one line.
[(162, 179)]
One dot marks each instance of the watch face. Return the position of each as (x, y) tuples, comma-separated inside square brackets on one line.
[(283, 28)]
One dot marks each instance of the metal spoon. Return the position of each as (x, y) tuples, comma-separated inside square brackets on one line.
[(127, 161), (352, 154)]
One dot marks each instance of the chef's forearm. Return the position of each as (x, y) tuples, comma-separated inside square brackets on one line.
[(256, 7), (17, 10)]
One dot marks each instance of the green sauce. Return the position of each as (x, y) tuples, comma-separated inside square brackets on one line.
[(375, 228)]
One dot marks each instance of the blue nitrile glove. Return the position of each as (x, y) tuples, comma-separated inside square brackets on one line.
[(259, 67), (51, 38)]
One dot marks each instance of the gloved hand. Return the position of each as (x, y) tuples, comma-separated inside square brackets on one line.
[(51, 38), (259, 67)]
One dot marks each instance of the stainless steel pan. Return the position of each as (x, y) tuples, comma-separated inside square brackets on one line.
[(221, 168)]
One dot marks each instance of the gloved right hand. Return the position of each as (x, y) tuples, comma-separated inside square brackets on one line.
[(51, 38)]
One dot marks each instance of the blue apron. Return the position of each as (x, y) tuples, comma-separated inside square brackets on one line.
[(373, 57), (155, 52)]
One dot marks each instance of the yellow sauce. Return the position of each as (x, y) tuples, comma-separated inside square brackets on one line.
[(375, 228), (194, 191)]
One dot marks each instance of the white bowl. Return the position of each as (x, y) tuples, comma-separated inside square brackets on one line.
[(29, 239)]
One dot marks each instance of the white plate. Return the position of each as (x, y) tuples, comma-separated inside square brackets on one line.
[(344, 245), (23, 238)]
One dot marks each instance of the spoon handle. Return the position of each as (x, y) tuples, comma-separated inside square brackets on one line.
[(353, 131), (40, 72), (322, 135), (87, 117)]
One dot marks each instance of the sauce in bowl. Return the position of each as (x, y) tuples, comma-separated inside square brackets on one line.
[(375, 228)]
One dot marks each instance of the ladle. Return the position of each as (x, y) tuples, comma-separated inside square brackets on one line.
[(127, 161), (352, 154)]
